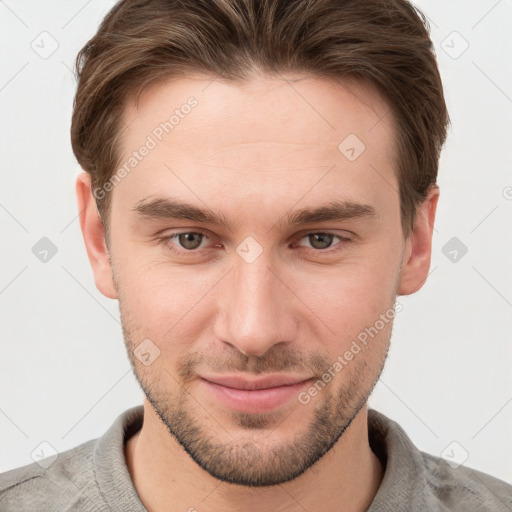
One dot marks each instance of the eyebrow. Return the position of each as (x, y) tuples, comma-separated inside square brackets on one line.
[(169, 208)]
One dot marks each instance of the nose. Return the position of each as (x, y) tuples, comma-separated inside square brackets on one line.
[(255, 308)]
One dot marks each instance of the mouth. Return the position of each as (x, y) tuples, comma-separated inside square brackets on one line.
[(258, 395)]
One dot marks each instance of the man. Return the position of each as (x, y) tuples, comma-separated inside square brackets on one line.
[(259, 187)]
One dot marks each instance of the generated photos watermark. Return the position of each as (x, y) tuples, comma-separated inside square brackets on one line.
[(152, 140), (344, 359)]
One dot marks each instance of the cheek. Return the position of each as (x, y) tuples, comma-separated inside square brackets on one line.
[(352, 297), (359, 309), (163, 302)]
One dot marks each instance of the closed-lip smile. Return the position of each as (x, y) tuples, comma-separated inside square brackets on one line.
[(256, 394), (269, 381)]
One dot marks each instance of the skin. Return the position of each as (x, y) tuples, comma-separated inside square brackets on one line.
[(255, 152)]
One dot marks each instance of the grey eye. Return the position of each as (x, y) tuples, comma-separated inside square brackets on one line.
[(190, 240), (320, 240)]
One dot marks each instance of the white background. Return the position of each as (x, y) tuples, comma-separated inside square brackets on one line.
[(64, 373)]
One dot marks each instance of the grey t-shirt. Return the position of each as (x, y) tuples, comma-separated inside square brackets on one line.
[(94, 477)]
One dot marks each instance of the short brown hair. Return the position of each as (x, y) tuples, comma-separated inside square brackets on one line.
[(383, 42)]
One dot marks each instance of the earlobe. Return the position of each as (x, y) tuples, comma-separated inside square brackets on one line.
[(94, 236), (418, 249)]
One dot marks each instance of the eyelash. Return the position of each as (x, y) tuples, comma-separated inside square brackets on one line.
[(167, 239)]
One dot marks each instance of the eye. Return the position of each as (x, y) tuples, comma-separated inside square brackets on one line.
[(188, 241), (321, 241)]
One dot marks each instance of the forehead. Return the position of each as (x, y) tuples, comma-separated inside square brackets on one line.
[(268, 137), (292, 109)]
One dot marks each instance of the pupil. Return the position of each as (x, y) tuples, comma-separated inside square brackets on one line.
[(187, 240), (321, 240)]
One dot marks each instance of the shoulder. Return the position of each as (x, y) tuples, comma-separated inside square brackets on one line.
[(465, 489), (66, 483), (416, 480)]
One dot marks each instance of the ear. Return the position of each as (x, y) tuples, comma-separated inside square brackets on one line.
[(94, 236), (418, 247)]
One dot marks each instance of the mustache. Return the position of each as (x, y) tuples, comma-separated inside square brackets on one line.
[(276, 360)]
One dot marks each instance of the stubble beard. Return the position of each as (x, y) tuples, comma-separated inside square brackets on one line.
[(253, 458)]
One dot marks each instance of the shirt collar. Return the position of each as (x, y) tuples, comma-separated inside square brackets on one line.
[(404, 486), (109, 462)]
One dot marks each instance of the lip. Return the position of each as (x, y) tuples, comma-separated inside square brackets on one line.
[(257, 395), (268, 381)]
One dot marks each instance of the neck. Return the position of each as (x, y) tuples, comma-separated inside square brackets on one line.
[(162, 473)]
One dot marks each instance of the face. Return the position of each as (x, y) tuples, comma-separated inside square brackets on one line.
[(256, 250)]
